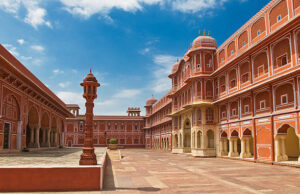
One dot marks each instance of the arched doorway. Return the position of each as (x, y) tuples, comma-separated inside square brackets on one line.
[(234, 144), (286, 144), (12, 129), (210, 139), (187, 136), (32, 128), (246, 144), (224, 144), (53, 133), (44, 130), (175, 141)]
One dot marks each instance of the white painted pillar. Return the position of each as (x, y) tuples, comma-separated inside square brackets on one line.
[(226, 146), (283, 148), (243, 148), (277, 149), (231, 151), (235, 148), (221, 147)]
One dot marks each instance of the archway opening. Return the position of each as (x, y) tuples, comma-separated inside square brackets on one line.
[(176, 141), (199, 138), (31, 131), (292, 144), (187, 136)]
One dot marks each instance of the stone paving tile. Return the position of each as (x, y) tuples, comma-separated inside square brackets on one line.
[(163, 172)]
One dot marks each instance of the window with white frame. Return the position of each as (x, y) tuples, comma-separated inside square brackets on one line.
[(231, 52), (244, 43), (281, 60), (209, 64), (222, 59), (284, 99), (278, 18), (260, 71), (232, 83), (246, 109), (245, 77), (223, 114), (262, 104)]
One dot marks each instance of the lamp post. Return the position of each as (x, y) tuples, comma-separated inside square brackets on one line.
[(90, 85)]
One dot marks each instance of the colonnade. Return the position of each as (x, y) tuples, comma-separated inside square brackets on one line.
[(48, 137), (236, 147)]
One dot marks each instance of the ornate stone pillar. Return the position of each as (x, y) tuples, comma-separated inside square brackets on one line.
[(44, 137), (90, 85), (283, 149), (221, 147)]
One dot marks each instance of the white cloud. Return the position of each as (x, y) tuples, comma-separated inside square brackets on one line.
[(193, 6), (58, 71), (87, 8), (145, 50), (25, 58), (127, 93), (12, 49), (35, 15), (71, 98), (38, 48), (64, 84), (21, 41), (164, 63), (11, 6)]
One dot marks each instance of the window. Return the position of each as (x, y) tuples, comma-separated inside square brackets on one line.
[(231, 52), (262, 104), (198, 66), (258, 32), (282, 60), (284, 99), (246, 108), (232, 83), (199, 114), (233, 112), (223, 88), (245, 77), (260, 70), (278, 18), (209, 115), (244, 43), (223, 114), (222, 59), (209, 64)]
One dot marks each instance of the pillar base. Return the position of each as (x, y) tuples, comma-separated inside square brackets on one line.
[(284, 158), (88, 157), (243, 155), (233, 154)]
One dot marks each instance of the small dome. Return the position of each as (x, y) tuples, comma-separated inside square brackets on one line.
[(150, 101), (175, 67), (90, 77), (204, 41)]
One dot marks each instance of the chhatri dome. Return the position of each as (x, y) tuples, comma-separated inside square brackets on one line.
[(90, 77), (204, 41), (150, 101)]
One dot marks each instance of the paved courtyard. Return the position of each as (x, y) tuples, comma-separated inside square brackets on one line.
[(142, 170), (46, 157)]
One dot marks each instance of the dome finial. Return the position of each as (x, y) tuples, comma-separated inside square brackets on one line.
[(90, 70), (203, 32), (208, 33), (199, 32)]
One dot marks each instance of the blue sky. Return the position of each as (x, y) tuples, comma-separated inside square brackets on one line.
[(129, 44)]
